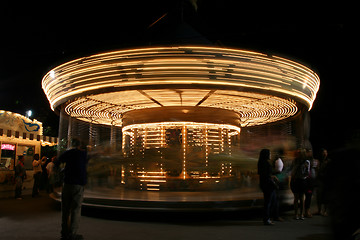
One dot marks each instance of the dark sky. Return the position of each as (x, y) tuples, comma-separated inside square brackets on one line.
[(36, 38)]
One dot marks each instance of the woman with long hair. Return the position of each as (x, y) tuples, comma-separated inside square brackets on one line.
[(267, 184)]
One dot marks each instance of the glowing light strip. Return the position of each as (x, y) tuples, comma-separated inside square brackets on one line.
[(180, 65), (150, 180), (235, 129)]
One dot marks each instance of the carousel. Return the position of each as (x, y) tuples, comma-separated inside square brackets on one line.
[(179, 127)]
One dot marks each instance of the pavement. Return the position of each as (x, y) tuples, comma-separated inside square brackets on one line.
[(39, 218)]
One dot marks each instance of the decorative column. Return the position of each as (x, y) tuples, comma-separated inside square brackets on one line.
[(91, 135), (69, 133), (206, 151), (113, 138), (183, 146)]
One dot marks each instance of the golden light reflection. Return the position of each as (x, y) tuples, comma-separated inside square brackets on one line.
[(206, 138)]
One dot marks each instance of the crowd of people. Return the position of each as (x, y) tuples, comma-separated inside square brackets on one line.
[(331, 182), (307, 176), (74, 180), (44, 175)]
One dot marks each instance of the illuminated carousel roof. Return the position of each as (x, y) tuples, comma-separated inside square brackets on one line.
[(259, 88)]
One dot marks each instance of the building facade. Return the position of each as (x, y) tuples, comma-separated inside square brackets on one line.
[(19, 136)]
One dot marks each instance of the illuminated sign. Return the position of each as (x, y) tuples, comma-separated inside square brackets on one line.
[(6, 146)]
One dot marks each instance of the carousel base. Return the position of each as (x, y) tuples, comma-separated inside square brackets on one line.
[(125, 199)]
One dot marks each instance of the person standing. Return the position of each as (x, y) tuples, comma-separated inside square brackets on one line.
[(279, 174), (44, 175), (267, 184), (75, 161), (37, 174), (310, 182), (51, 175), (299, 174), (322, 191), (20, 175)]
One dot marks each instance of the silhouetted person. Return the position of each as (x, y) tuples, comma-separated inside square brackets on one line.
[(299, 175), (44, 175), (20, 175), (278, 172), (322, 192), (310, 182), (51, 175), (267, 184), (72, 192)]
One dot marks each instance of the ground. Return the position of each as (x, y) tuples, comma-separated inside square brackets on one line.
[(39, 218)]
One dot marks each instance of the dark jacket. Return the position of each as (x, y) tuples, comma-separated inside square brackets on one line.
[(75, 169)]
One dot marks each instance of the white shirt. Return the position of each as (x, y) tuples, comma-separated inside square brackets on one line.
[(279, 165), (50, 167)]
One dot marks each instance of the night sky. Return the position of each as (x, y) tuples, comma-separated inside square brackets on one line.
[(34, 39)]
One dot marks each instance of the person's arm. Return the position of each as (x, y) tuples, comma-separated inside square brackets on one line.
[(36, 163), (43, 160)]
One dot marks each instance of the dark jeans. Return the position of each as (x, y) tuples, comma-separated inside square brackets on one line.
[(71, 200), (308, 196), (18, 187), (269, 203)]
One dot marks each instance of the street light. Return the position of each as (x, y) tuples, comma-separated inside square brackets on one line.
[(29, 113)]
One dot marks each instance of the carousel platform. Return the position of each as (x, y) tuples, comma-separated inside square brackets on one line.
[(125, 199)]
